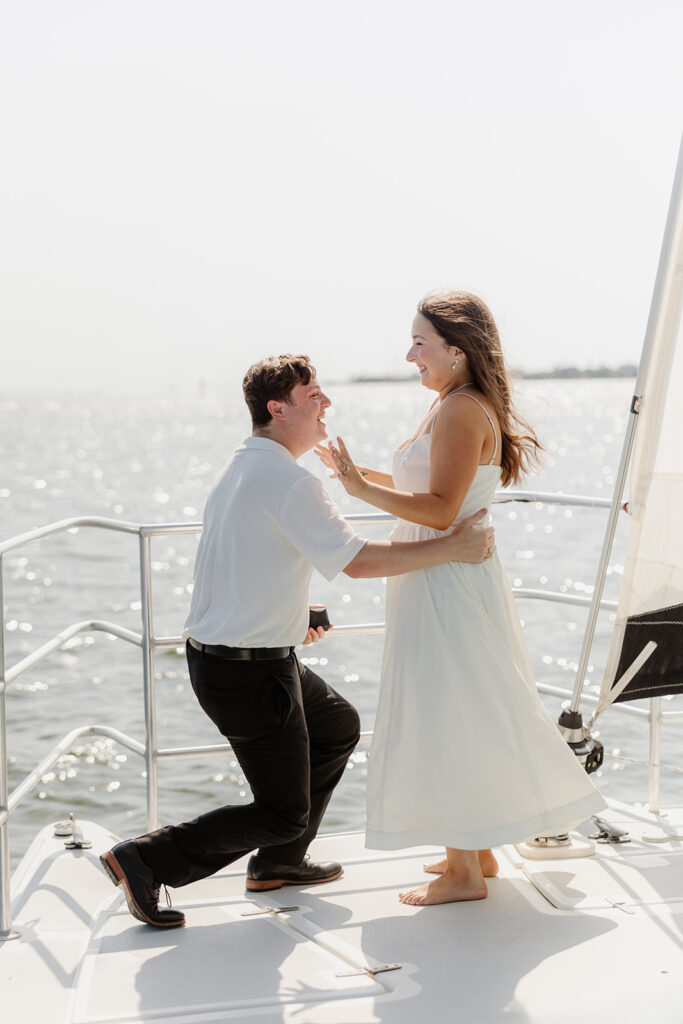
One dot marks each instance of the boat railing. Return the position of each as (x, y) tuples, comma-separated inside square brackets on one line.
[(149, 644)]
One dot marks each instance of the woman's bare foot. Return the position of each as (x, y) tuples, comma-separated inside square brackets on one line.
[(446, 889), (487, 863)]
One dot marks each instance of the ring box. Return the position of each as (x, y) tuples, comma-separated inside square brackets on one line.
[(317, 616)]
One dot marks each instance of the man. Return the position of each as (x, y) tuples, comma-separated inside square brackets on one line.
[(268, 522)]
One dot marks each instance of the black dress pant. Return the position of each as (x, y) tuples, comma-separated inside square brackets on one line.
[(292, 735)]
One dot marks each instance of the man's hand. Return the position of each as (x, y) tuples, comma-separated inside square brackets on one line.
[(472, 543), (467, 542), (313, 635)]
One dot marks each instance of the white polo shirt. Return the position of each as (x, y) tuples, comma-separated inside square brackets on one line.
[(268, 523)]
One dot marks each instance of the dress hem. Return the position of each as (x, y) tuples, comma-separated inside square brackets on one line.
[(560, 819)]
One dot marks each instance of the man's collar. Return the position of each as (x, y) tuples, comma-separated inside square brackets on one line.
[(266, 444)]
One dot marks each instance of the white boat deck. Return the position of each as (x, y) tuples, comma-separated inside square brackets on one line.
[(611, 947)]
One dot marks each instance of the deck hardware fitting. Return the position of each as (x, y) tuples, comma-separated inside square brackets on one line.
[(561, 839), (78, 840), (620, 905), (609, 833), (268, 910), (661, 837), (369, 970), (71, 830)]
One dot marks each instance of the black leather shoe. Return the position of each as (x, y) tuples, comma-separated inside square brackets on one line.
[(125, 867), (263, 874)]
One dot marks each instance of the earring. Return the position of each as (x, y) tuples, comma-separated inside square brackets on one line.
[(455, 365)]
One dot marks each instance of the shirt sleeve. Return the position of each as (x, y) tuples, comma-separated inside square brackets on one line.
[(312, 523)]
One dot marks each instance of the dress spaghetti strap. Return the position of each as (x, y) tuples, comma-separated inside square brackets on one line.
[(482, 407)]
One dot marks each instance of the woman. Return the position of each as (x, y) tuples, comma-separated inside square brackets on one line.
[(463, 753)]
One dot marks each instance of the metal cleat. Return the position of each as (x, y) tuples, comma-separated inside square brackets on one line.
[(609, 833), (72, 830)]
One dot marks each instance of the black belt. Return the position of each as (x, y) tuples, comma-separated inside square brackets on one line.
[(241, 653)]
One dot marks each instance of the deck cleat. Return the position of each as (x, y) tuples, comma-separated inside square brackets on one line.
[(609, 833), (70, 830)]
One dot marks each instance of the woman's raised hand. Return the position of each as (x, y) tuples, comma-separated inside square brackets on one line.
[(345, 468), (325, 455)]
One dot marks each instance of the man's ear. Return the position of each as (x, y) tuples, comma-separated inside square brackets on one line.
[(275, 409)]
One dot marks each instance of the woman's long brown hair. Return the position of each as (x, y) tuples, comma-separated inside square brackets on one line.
[(466, 322)]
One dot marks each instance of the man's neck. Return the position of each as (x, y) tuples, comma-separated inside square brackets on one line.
[(280, 437)]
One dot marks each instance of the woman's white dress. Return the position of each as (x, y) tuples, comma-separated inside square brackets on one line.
[(464, 753)]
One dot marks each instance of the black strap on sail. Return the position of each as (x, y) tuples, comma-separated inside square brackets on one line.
[(662, 673)]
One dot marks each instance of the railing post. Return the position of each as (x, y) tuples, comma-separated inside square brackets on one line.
[(151, 761), (5, 918), (5, 906), (655, 758)]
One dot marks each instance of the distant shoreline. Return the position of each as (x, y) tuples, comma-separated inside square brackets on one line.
[(559, 373)]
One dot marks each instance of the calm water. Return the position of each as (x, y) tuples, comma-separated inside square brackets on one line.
[(153, 460)]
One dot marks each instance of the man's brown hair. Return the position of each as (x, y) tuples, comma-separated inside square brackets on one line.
[(273, 379)]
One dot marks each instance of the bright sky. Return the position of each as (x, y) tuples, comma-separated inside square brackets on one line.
[(192, 184)]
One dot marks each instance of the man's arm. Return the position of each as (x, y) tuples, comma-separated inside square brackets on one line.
[(465, 543)]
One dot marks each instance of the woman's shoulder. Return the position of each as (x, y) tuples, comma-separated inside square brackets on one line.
[(467, 405), (467, 417)]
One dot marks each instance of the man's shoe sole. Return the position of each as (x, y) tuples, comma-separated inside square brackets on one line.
[(276, 883), (118, 877)]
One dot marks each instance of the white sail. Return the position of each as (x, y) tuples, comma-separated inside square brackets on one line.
[(651, 597)]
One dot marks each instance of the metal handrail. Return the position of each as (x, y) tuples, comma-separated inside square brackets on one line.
[(62, 637), (62, 525), (148, 644), (501, 496), (28, 784)]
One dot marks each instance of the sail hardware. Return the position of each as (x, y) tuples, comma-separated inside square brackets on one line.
[(608, 833), (617, 689), (658, 627), (268, 910), (71, 830), (589, 751), (378, 969)]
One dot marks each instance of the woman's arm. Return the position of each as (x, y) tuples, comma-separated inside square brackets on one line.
[(373, 476), (459, 433)]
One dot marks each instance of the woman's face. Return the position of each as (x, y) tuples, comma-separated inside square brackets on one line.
[(432, 356)]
